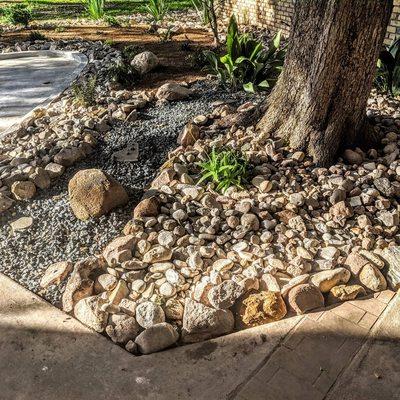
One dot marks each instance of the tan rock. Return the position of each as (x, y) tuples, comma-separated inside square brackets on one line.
[(147, 208), (80, 284), (23, 190), (56, 273), (305, 297), (119, 250), (189, 135), (372, 278), (172, 91), (257, 308), (326, 280), (89, 312), (345, 292), (93, 193), (119, 292)]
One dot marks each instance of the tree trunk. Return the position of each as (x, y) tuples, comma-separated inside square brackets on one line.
[(318, 104)]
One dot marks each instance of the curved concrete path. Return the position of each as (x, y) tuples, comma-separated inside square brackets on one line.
[(46, 354), (29, 79)]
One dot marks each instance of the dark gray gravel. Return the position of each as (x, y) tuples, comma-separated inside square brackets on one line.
[(56, 234)]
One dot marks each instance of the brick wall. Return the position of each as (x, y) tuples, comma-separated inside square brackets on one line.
[(276, 14)]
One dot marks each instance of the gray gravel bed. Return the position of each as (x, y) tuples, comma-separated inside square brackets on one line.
[(56, 234)]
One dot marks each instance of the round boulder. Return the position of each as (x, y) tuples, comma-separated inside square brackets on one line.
[(93, 193)]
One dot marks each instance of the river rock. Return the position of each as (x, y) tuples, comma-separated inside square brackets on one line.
[(147, 208), (145, 62), (89, 312), (23, 190), (372, 278), (305, 297), (172, 91), (124, 330), (225, 294), (149, 314), (157, 337), (391, 255), (201, 322), (326, 280)]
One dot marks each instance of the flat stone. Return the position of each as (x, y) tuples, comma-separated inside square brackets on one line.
[(56, 273), (372, 278), (21, 224), (326, 280)]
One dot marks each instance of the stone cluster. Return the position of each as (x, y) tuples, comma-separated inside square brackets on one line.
[(37, 153), (194, 264)]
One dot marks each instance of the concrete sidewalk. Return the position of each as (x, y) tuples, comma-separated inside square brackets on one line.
[(46, 354), (33, 78)]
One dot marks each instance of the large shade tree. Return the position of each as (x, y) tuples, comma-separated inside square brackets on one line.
[(318, 104)]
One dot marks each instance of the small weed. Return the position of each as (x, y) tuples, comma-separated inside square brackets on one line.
[(85, 91), (157, 9), (109, 42), (17, 14), (112, 21), (59, 29), (36, 35), (225, 167), (129, 52), (123, 73)]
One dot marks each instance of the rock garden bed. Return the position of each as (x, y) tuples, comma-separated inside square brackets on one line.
[(193, 263)]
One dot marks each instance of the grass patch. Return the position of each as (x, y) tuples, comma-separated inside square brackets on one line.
[(64, 9)]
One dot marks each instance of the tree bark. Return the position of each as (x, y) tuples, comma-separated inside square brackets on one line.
[(319, 102)]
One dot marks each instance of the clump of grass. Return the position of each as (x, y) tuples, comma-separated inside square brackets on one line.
[(95, 8), (226, 168), (17, 14), (109, 42), (130, 51), (157, 9), (36, 35), (123, 73), (112, 21), (84, 92)]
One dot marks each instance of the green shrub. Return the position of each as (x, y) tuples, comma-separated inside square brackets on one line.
[(387, 78), (17, 14), (157, 9), (226, 168), (123, 73), (112, 21), (247, 63), (36, 35), (85, 91), (95, 8)]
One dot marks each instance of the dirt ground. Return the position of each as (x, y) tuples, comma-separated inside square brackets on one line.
[(175, 55)]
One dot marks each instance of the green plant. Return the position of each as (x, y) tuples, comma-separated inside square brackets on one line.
[(225, 167), (387, 78), (17, 14), (59, 29), (247, 63), (112, 21), (36, 35), (157, 9), (123, 73), (130, 51), (95, 8), (206, 10), (109, 42), (84, 92)]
